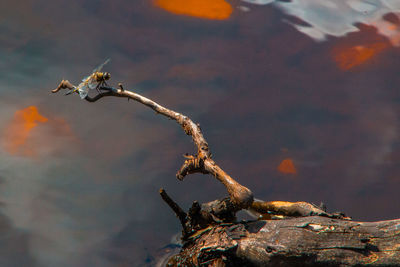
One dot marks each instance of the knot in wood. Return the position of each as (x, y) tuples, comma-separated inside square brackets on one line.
[(198, 163), (192, 164)]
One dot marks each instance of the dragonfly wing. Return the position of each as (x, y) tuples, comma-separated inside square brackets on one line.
[(83, 90), (83, 94), (101, 66), (92, 85), (92, 82)]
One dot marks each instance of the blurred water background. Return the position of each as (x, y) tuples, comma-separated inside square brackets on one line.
[(299, 101)]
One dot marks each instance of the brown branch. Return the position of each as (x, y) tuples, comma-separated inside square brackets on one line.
[(240, 195), (64, 84), (99, 96), (281, 209), (191, 165), (178, 210)]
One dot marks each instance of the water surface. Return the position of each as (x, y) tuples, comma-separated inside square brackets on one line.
[(297, 99)]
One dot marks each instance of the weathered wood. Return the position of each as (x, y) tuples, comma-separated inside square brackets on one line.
[(302, 241), (212, 237)]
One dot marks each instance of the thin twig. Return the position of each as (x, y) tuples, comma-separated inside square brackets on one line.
[(182, 216)]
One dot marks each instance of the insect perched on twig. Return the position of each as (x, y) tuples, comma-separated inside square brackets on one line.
[(93, 81)]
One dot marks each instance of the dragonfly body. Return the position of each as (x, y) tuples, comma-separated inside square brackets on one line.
[(93, 81)]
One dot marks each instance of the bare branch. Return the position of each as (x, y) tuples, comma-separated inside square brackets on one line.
[(269, 209), (240, 195), (177, 210), (99, 96), (64, 84), (191, 165)]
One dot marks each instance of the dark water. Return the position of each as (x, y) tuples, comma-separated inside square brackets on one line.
[(298, 100)]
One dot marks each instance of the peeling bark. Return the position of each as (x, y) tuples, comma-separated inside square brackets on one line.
[(302, 241)]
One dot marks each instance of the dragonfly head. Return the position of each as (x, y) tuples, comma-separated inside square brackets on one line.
[(102, 76)]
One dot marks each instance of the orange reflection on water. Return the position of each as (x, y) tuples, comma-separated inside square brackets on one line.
[(350, 57), (287, 166), (19, 129), (208, 9)]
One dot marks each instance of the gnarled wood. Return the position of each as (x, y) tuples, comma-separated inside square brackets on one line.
[(302, 241)]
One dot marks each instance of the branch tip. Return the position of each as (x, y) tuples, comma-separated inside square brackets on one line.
[(182, 216)]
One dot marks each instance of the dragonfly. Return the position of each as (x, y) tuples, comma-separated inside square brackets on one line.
[(93, 81)]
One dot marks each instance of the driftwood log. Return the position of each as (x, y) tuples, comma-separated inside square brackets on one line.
[(285, 234), (301, 241)]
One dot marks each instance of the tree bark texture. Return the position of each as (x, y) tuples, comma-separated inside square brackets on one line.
[(301, 241)]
